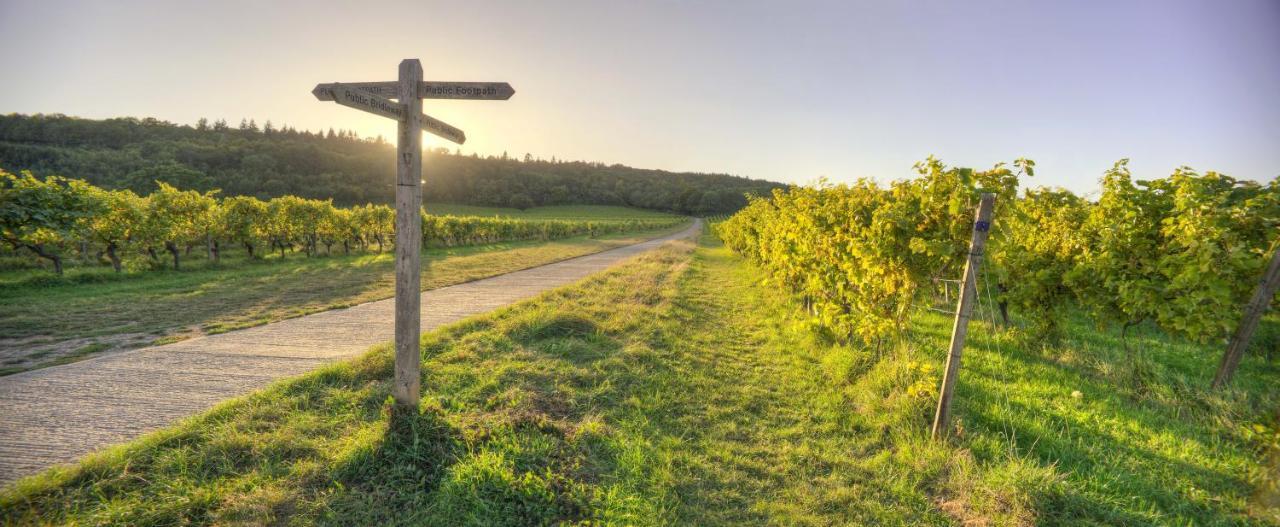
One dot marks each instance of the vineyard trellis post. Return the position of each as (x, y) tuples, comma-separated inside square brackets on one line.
[(376, 98), (1262, 297), (964, 309)]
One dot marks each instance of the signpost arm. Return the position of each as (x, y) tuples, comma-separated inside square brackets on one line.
[(408, 239)]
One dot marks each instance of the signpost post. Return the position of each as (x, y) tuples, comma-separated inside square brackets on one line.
[(376, 98)]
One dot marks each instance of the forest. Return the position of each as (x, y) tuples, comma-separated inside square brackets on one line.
[(272, 160)]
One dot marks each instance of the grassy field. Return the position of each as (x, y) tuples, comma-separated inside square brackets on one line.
[(57, 320), (556, 212), (677, 390)]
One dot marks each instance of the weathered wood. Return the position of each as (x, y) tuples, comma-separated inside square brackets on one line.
[(485, 91), (363, 100), (408, 239), (442, 129), (347, 95), (376, 98), (964, 309), (1262, 297)]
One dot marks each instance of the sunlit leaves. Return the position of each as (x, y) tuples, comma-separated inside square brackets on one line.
[(858, 255), (1183, 251), (49, 215)]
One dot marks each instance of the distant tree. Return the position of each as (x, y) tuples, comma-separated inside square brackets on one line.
[(42, 215), (520, 201), (116, 224), (177, 217), (134, 153), (242, 219)]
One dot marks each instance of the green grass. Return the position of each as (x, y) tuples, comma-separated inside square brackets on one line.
[(677, 390), (555, 212), (144, 307)]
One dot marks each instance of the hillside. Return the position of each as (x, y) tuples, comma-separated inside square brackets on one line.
[(270, 161)]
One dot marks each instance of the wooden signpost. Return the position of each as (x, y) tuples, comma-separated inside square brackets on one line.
[(406, 109), (489, 91), (964, 309)]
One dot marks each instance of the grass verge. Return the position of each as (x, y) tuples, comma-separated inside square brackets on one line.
[(47, 324), (675, 389), (552, 212)]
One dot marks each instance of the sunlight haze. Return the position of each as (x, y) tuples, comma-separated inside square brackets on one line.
[(783, 91)]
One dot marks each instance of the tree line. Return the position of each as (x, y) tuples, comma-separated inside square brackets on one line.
[(1184, 252), (52, 216), (270, 160)]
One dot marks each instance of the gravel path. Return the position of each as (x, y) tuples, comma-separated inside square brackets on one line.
[(55, 415)]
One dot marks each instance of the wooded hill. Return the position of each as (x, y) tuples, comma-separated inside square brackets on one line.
[(269, 161)]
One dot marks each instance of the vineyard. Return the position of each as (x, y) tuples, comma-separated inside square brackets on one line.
[(1183, 253), (55, 216)]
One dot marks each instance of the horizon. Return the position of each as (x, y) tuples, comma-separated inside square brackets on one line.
[(850, 91)]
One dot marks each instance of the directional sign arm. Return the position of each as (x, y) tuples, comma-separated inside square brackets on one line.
[(389, 90), (363, 100), (443, 129), (488, 91)]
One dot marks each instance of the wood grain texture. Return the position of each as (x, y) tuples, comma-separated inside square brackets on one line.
[(442, 129), (363, 100), (408, 238), (475, 91)]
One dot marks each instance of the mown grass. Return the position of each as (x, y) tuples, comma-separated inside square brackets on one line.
[(60, 316), (677, 390), (553, 212)]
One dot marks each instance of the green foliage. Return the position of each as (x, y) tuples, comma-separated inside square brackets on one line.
[(177, 218), (678, 391), (51, 214), (242, 219), (859, 254), (1184, 252), (1216, 240), (41, 215), (266, 163), (1116, 277), (1036, 247)]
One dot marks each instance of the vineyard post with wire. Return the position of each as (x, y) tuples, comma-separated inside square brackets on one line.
[(964, 309), (1262, 296)]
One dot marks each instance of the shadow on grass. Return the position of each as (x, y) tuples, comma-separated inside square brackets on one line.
[(387, 478), (1137, 443)]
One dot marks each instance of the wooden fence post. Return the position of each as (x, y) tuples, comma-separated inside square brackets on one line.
[(1252, 315), (964, 308), (409, 239)]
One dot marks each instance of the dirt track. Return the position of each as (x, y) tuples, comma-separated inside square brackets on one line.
[(55, 415)]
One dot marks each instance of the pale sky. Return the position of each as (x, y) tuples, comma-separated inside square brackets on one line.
[(787, 91)]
